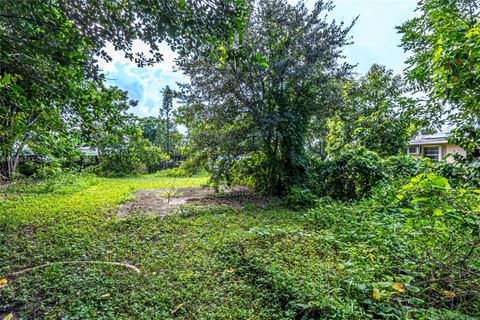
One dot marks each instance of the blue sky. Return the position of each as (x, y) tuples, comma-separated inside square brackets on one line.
[(374, 35)]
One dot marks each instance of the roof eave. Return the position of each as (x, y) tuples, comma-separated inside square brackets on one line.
[(417, 143)]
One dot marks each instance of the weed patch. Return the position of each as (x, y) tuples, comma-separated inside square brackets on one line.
[(335, 261)]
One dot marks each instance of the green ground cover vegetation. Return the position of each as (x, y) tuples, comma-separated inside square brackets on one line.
[(405, 253)]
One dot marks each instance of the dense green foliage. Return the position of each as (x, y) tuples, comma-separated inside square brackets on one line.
[(51, 87), (95, 23), (377, 114), (445, 40), (44, 92), (136, 156), (358, 173), (405, 255), (251, 104), (351, 175)]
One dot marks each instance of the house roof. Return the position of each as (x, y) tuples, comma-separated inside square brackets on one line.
[(440, 137)]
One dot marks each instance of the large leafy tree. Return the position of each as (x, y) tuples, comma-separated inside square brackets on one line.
[(185, 24), (48, 53), (40, 93), (445, 63), (48, 124), (377, 114), (251, 107)]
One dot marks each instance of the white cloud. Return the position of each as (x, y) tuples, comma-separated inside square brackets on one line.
[(143, 84)]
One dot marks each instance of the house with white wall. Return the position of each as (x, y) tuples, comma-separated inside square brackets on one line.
[(435, 147)]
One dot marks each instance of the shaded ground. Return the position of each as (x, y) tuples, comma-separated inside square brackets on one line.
[(163, 201)]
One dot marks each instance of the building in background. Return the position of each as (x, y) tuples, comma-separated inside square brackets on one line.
[(435, 147)]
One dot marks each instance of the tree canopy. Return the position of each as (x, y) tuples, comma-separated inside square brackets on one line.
[(253, 104), (445, 63), (49, 76), (377, 114)]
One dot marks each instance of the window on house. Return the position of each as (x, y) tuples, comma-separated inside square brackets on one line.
[(433, 153), (413, 150)]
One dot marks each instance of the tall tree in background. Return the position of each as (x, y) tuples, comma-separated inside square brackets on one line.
[(149, 127), (377, 114), (165, 117), (445, 63), (161, 131), (252, 106)]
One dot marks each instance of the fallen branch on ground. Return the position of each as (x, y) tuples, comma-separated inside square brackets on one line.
[(125, 265)]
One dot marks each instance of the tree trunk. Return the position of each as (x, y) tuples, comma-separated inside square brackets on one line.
[(292, 150)]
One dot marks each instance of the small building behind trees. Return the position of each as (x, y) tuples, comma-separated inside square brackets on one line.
[(435, 147)]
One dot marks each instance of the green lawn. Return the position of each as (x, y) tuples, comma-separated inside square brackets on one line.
[(196, 264)]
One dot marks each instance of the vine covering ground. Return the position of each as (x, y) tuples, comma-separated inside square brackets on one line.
[(215, 262)]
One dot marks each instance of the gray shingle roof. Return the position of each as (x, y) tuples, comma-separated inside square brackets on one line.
[(440, 137)]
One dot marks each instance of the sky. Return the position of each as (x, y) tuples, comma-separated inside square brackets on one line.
[(374, 35)]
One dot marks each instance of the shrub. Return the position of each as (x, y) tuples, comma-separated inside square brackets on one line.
[(402, 167), (299, 198), (153, 158), (463, 172), (174, 173), (350, 176), (132, 157), (27, 169), (439, 237), (414, 255), (46, 167)]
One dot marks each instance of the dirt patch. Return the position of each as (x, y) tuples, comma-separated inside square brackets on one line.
[(164, 201)]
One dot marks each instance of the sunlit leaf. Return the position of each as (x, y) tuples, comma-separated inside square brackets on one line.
[(449, 294), (398, 287), (420, 199), (8, 316)]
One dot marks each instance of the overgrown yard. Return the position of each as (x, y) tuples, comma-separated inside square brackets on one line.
[(258, 261)]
